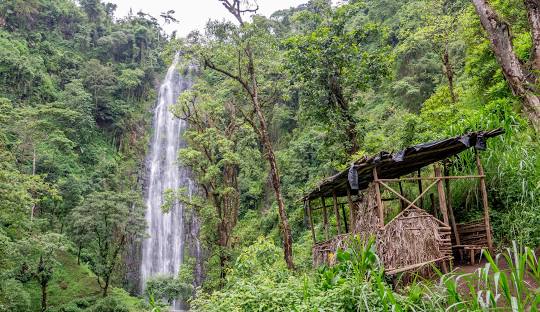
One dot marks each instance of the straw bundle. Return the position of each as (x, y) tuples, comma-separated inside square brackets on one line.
[(411, 238)]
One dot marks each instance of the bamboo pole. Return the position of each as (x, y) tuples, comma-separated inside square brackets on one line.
[(325, 218), (311, 221), (401, 202), (483, 189), (411, 204), (420, 188), (336, 212), (351, 207), (344, 218), (450, 210), (380, 207), (414, 266), (442, 195), (433, 178)]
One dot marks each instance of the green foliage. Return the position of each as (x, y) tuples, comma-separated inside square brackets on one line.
[(107, 220), (168, 289), (503, 283), (75, 86), (109, 304)]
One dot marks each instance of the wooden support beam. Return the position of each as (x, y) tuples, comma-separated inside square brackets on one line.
[(411, 204), (344, 218), (420, 188), (380, 205), (401, 201), (325, 219), (445, 177), (403, 198), (413, 266), (311, 221), (483, 189), (449, 205), (442, 195), (336, 212), (432, 202), (351, 207)]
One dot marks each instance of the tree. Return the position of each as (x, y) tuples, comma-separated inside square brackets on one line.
[(247, 74), (434, 23), (521, 77), (41, 258), (214, 154), (332, 63), (109, 218)]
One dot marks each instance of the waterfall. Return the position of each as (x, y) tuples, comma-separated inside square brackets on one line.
[(162, 251)]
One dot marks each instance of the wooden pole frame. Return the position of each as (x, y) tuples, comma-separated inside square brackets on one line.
[(401, 201), (411, 204), (351, 207), (336, 212), (442, 195), (485, 203), (433, 178), (325, 218), (449, 205), (380, 204), (344, 218), (311, 221), (420, 191)]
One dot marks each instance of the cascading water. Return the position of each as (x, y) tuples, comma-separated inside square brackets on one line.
[(162, 251)]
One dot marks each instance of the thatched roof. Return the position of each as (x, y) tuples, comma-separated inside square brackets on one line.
[(395, 165)]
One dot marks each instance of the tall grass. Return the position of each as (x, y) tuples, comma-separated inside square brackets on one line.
[(508, 282)]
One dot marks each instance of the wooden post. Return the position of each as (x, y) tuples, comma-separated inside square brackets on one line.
[(442, 196), (442, 206), (325, 218), (420, 189), (311, 221), (401, 201), (351, 207), (344, 218), (380, 207), (449, 205), (483, 189), (432, 202), (336, 212)]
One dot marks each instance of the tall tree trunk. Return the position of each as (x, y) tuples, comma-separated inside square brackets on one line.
[(342, 104), (106, 287), (43, 297), (449, 72), (43, 279), (533, 14), (270, 156), (79, 254), (514, 72), (33, 173), (251, 87)]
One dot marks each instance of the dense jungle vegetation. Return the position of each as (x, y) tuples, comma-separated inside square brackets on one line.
[(279, 103)]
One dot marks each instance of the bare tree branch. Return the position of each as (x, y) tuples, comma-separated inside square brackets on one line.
[(210, 64)]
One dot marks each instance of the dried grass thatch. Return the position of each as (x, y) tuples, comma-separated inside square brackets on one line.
[(412, 237)]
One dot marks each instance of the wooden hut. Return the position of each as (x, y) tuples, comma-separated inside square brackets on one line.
[(423, 230)]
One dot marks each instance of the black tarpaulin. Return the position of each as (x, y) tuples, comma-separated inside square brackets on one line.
[(395, 165)]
